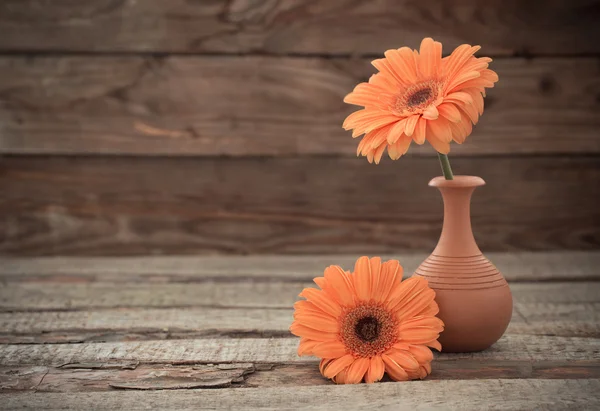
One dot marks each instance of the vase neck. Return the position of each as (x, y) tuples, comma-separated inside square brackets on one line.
[(457, 238)]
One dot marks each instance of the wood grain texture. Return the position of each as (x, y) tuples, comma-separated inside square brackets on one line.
[(124, 206), (559, 319), (464, 395), (292, 26), (511, 347), (65, 295), (515, 266), (105, 376), (242, 106)]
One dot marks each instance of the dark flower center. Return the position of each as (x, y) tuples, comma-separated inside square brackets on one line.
[(419, 97), (367, 329)]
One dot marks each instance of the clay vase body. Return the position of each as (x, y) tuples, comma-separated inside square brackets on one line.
[(474, 298)]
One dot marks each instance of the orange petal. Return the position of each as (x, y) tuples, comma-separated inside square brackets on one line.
[(306, 346), (375, 273), (435, 344), (323, 364), (362, 278), (391, 275), (411, 123), (399, 148), (398, 295), (404, 359), (319, 298), (323, 323), (421, 353), (356, 371), (301, 330), (429, 60), (449, 111), (431, 113), (439, 145), (329, 349), (471, 112), (419, 335), (403, 63), (394, 370), (422, 322), (459, 97), (420, 131), (453, 64), (337, 365), (440, 129), (415, 304), (396, 131), (458, 82), (341, 376), (375, 371), (340, 281), (379, 153)]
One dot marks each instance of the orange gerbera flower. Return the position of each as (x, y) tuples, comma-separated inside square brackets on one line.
[(419, 96), (365, 323)]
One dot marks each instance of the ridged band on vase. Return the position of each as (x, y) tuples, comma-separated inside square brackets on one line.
[(460, 273)]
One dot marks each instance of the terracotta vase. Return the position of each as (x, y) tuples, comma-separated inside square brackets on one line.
[(474, 298)]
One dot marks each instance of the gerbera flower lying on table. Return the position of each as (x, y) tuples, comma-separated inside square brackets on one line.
[(418, 96), (369, 322)]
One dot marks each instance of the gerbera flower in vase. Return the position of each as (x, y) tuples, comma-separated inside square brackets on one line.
[(369, 322), (419, 96)]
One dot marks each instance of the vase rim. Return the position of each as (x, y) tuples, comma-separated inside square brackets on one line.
[(459, 181)]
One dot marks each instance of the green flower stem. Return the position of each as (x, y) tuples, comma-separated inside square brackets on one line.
[(446, 169)]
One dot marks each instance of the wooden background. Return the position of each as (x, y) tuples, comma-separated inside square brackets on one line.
[(185, 127)]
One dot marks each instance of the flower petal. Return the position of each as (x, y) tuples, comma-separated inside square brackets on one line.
[(306, 346), (435, 344), (449, 111), (421, 353), (341, 283), (440, 146), (356, 371), (394, 370), (375, 371), (362, 278), (320, 299), (411, 123), (301, 330), (404, 359), (329, 349), (440, 129), (396, 131), (391, 275), (323, 322), (337, 365), (420, 131), (431, 113)]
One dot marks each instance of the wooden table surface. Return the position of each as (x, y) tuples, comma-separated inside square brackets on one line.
[(212, 332)]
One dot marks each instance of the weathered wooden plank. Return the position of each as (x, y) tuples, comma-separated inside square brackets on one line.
[(464, 395), (296, 26), (103, 376), (274, 350), (106, 376), (515, 266), (247, 294), (265, 106), (560, 319), (108, 206)]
